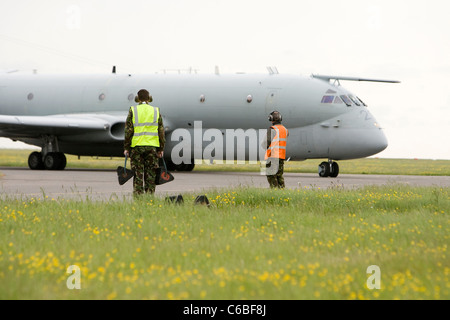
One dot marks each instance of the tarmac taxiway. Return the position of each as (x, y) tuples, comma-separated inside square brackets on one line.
[(82, 184)]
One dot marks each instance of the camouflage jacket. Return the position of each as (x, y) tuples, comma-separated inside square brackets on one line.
[(129, 132)]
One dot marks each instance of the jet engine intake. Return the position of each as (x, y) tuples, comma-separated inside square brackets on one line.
[(117, 130)]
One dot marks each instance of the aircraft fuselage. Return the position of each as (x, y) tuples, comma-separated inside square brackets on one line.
[(324, 120)]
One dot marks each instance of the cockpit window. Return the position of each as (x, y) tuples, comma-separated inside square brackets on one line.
[(362, 102), (346, 100), (337, 100), (327, 99), (355, 100)]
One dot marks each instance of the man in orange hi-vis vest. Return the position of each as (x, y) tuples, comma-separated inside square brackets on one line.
[(276, 151)]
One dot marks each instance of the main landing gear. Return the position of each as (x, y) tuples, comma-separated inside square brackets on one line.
[(329, 169), (50, 158), (51, 161), (180, 167)]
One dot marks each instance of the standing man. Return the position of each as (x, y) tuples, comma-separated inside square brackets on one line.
[(276, 151), (144, 142)]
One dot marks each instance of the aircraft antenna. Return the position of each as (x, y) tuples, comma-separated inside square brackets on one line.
[(272, 70)]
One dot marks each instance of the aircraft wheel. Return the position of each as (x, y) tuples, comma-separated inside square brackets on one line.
[(324, 169), (55, 161), (51, 161), (334, 170), (35, 161), (169, 164), (182, 167), (63, 162), (179, 167)]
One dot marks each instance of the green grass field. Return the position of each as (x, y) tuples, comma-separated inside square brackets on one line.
[(248, 244)]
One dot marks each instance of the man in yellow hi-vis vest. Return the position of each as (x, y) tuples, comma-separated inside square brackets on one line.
[(144, 142), (276, 151)]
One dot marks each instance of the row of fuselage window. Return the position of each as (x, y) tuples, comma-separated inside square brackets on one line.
[(348, 100), (131, 97)]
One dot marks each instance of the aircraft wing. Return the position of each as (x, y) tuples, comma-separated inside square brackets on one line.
[(328, 78), (110, 127)]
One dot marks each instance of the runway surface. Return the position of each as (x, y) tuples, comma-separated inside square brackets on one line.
[(81, 184)]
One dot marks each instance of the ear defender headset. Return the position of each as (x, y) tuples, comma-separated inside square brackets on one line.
[(136, 99), (271, 117)]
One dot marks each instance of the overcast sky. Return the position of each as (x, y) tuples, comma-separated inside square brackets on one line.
[(406, 40)]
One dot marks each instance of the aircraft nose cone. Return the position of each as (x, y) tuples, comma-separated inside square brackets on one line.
[(356, 144), (384, 144), (372, 135), (377, 143)]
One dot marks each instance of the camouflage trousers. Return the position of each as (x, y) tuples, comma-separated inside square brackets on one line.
[(144, 162), (274, 172)]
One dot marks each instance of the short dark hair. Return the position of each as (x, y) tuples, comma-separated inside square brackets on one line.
[(143, 95)]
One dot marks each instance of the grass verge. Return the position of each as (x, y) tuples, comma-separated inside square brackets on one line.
[(248, 244)]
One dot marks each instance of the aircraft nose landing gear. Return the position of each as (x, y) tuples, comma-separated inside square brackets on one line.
[(328, 169)]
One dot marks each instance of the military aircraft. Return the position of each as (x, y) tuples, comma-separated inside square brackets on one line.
[(85, 115)]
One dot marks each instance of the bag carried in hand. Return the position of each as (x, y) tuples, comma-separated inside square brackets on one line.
[(124, 174), (162, 175)]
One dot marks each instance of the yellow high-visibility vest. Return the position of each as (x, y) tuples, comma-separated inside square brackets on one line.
[(145, 122), (277, 148)]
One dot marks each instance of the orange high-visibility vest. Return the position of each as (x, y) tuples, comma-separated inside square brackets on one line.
[(277, 148)]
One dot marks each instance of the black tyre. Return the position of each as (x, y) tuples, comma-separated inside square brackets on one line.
[(334, 170), (324, 169), (35, 161), (63, 161), (52, 161), (169, 164)]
